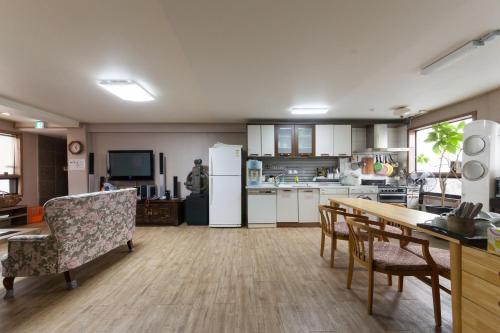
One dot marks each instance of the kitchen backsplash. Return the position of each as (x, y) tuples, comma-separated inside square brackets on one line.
[(306, 168)]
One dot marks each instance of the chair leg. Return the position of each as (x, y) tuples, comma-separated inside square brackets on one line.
[(70, 282), (322, 247), (436, 298), (8, 283), (333, 248), (400, 283), (370, 291), (389, 279), (350, 271), (130, 245)]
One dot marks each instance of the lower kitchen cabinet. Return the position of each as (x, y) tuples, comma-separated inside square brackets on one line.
[(287, 209), (308, 202)]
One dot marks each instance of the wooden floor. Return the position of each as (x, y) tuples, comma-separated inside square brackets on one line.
[(196, 279)]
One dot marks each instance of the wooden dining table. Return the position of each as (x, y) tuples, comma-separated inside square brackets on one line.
[(409, 218)]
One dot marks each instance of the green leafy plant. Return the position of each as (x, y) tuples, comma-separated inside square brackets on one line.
[(447, 142)]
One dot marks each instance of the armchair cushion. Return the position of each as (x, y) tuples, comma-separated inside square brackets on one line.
[(30, 255), (441, 257)]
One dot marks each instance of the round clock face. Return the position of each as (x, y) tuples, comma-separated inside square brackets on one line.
[(75, 147)]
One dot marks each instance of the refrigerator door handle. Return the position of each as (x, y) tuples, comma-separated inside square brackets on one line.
[(211, 184)]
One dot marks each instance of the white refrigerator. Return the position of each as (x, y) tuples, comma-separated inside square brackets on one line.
[(224, 186)]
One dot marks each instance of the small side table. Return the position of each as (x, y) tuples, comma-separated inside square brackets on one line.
[(16, 215)]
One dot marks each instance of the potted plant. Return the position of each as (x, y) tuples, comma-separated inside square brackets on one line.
[(446, 142)]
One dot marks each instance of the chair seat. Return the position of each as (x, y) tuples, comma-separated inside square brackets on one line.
[(393, 229), (391, 257), (341, 229), (441, 257)]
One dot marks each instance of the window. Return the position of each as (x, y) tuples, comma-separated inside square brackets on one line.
[(425, 149), (10, 168), (423, 159)]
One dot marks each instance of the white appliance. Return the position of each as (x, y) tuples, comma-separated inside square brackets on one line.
[(261, 208), (365, 192), (224, 186), (481, 161)]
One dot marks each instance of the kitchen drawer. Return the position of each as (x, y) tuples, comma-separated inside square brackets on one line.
[(481, 292), (482, 264), (476, 319)]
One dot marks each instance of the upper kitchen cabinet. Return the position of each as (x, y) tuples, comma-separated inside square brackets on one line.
[(284, 140), (304, 137), (254, 140), (260, 140), (267, 138), (324, 140), (342, 140)]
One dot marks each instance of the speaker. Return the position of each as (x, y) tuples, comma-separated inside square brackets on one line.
[(91, 163), (161, 164), (176, 187), (144, 192)]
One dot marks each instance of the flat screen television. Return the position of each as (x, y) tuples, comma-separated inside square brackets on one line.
[(131, 164)]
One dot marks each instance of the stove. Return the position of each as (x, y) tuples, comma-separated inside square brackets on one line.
[(392, 194)]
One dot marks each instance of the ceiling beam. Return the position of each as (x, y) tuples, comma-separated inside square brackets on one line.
[(32, 112)]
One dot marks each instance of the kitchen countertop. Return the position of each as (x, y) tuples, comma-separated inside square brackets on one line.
[(317, 185)]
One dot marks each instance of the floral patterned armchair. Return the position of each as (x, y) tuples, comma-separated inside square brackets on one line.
[(83, 227)]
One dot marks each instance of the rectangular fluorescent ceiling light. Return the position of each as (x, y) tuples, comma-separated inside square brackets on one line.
[(127, 90), (318, 110)]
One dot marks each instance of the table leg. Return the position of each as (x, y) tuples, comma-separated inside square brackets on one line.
[(456, 285)]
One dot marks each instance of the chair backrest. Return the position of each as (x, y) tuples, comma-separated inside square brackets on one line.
[(359, 234), (329, 215), (88, 225)]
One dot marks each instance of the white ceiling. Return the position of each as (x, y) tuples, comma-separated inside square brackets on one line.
[(227, 60)]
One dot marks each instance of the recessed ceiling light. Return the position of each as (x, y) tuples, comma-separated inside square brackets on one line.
[(5, 114), (309, 110), (127, 90)]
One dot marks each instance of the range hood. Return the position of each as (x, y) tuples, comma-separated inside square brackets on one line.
[(377, 140)]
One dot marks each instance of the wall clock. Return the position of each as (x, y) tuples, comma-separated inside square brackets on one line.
[(75, 147)]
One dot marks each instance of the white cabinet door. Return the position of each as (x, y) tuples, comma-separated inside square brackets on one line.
[(267, 140), (308, 205), (324, 140), (254, 140), (342, 140), (287, 207), (261, 206)]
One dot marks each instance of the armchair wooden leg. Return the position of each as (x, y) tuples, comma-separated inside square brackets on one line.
[(436, 298), (389, 279), (370, 291), (400, 283), (350, 271), (332, 255), (130, 245), (322, 247), (8, 283), (70, 282)]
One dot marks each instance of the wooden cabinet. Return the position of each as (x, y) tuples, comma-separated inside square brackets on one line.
[(160, 212), (480, 290), (304, 140), (287, 209), (324, 140), (308, 201), (16, 215), (294, 140), (342, 140), (254, 140), (284, 140)]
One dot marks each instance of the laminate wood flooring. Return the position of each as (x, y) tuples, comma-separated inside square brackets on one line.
[(196, 279)]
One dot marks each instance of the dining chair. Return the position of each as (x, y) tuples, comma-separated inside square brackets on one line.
[(336, 229), (389, 258)]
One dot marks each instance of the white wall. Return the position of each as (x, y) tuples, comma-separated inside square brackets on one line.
[(487, 106), (181, 143)]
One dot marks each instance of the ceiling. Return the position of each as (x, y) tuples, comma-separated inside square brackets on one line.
[(227, 61)]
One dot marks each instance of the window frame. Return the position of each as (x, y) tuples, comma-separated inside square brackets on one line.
[(18, 167), (412, 140)]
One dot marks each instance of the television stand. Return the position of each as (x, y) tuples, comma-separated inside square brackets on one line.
[(160, 212)]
